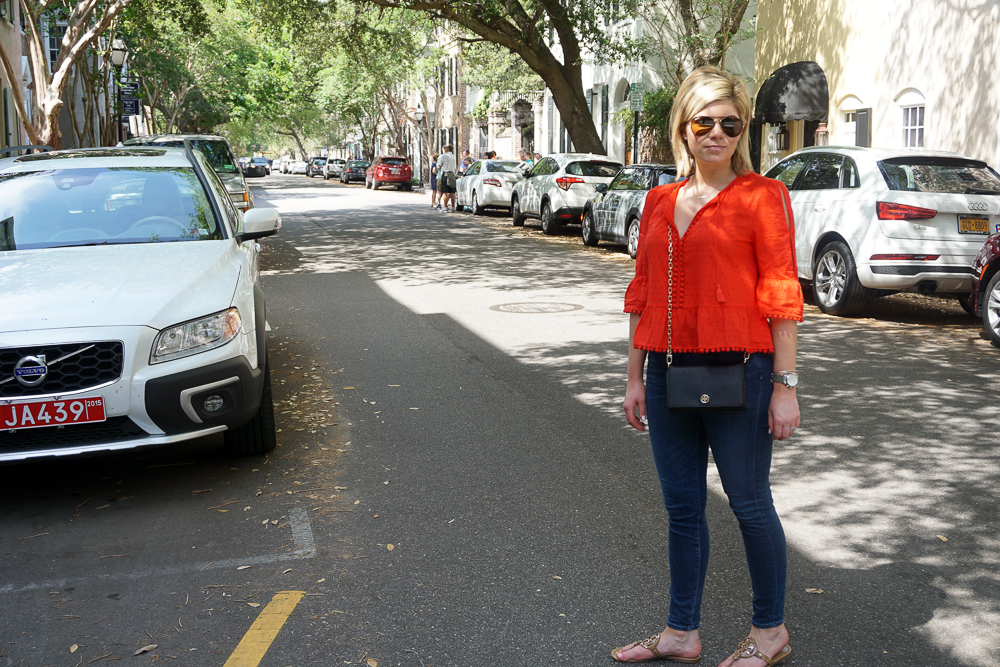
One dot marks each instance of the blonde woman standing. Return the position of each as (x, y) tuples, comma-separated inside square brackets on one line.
[(724, 240)]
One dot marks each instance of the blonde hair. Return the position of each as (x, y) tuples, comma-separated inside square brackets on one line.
[(702, 87)]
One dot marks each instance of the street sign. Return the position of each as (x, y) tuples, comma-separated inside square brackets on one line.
[(130, 106), (128, 93), (638, 90)]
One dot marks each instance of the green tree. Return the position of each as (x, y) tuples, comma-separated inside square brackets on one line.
[(552, 37)]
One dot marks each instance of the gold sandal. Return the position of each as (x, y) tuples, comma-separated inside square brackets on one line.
[(748, 649), (650, 645)]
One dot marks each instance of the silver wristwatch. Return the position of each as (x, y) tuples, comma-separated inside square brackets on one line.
[(788, 378)]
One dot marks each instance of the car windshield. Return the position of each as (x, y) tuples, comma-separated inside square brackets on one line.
[(602, 169), (940, 174), (319, 160), (393, 160), (103, 206), (259, 160), (503, 167)]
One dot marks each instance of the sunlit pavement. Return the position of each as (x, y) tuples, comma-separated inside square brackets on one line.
[(454, 484)]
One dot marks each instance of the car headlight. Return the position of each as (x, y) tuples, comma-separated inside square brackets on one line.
[(201, 335)]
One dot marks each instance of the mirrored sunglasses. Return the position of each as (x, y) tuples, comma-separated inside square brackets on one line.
[(702, 125)]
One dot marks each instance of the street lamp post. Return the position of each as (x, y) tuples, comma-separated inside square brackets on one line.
[(119, 52), (418, 116)]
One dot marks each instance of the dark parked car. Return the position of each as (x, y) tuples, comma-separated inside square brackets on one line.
[(389, 169), (984, 300), (354, 170), (614, 212), (258, 167), (315, 166)]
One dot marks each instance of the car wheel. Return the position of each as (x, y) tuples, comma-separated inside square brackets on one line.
[(587, 230), (257, 436), (476, 208), (515, 213), (326, 177), (549, 224), (990, 307), (368, 184), (836, 287), (632, 238), (406, 187), (375, 184)]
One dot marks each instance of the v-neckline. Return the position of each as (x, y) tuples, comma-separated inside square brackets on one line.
[(697, 214)]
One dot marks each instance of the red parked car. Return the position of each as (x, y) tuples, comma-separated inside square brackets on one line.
[(984, 301), (385, 170)]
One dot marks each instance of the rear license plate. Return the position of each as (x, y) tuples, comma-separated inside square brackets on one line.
[(394, 171), (52, 413), (973, 224)]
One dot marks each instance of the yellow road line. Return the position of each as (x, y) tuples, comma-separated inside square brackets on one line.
[(258, 638)]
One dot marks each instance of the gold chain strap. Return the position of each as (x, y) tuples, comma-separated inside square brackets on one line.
[(670, 297)]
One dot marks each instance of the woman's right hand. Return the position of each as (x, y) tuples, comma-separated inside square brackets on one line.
[(635, 404)]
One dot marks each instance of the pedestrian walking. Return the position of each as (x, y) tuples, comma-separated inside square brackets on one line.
[(434, 188), (446, 179), (716, 287)]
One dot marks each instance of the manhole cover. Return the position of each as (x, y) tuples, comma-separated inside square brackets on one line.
[(537, 307)]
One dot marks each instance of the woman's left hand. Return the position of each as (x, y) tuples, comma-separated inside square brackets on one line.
[(783, 413)]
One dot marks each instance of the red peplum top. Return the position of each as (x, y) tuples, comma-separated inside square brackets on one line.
[(734, 269)]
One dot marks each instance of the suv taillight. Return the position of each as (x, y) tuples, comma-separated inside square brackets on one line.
[(492, 181), (892, 211), (565, 181)]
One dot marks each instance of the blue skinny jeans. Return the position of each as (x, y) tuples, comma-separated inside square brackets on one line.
[(741, 447)]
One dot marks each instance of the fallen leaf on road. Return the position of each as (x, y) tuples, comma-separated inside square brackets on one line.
[(942, 538), (389, 547), (372, 662), (253, 604), (202, 491), (395, 385), (555, 577), (357, 502), (321, 581), (73, 648), (287, 571), (816, 591), (145, 649), (414, 408), (348, 387), (244, 567)]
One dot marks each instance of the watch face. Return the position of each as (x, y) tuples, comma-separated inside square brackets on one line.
[(791, 379)]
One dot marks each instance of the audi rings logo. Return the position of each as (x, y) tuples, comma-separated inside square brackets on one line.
[(31, 371), (977, 206)]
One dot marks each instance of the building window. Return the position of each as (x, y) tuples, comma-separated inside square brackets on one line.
[(55, 40), (913, 127)]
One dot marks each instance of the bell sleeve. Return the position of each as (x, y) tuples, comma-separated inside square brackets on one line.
[(779, 293)]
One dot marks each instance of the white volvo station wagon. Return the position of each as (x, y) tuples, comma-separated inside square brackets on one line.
[(131, 311)]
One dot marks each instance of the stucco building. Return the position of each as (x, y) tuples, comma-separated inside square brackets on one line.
[(919, 73)]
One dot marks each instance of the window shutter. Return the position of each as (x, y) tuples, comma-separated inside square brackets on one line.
[(8, 130), (604, 116), (863, 134)]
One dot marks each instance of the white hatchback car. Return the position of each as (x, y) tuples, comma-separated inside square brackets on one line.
[(870, 222), (487, 184), (558, 187), (132, 308)]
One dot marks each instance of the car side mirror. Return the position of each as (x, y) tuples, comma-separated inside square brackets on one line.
[(258, 223), (601, 188)]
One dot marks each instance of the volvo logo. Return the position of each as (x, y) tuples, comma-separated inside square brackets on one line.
[(977, 206), (31, 371)]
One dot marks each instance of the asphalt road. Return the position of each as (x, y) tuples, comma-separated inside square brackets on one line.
[(455, 485)]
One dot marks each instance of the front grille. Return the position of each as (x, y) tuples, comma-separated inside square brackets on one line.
[(100, 364), (115, 429)]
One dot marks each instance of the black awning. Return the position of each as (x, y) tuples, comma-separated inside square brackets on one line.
[(793, 92)]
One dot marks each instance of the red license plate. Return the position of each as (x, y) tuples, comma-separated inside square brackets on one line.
[(52, 413)]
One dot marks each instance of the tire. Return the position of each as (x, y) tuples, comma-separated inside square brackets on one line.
[(406, 187), (990, 307), (368, 184), (836, 288), (326, 177), (632, 238), (476, 208), (257, 436), (550, 225), (375, 184), (587, 231), (517, 218)]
